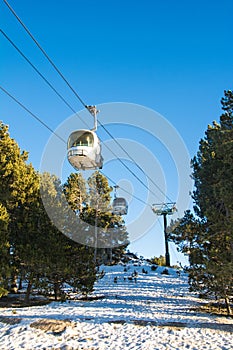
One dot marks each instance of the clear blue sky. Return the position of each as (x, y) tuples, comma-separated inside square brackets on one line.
[(174, 57)]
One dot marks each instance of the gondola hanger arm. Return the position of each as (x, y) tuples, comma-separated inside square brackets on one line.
[(94, 111)]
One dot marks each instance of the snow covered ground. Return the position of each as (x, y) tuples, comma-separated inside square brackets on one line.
[(153, 312)]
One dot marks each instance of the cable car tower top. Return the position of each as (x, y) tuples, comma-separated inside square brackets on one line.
[(164, 208)]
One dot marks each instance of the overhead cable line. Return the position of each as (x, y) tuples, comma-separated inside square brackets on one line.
[(123, 189), (44, 52), (79, 98), (138, 166), (37, 71), (58, 136), (32, 114), (67, 104)]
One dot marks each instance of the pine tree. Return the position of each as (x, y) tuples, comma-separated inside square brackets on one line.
[(99, 192), (4, 250), (107, 232), (208, 237), (39, 253), (75, 191), (25, 234), (16, 191), (13, 182), (66, 259)]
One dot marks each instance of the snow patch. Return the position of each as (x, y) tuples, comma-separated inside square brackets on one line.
[(148, 312)]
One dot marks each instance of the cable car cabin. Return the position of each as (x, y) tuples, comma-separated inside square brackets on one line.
[(84, 150), (120, 206)]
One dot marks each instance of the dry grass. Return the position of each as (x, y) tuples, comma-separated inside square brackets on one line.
[(10, 320), (213, 308), (51, 325), (18, 301)]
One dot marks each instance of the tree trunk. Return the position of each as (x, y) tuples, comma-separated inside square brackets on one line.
[(56, 289), (28, 292), (13, 287), (20, 282), (109, 255), (95, 238), (5, 282), (228, 306)]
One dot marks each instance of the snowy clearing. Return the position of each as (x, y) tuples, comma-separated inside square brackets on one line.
[(152, 312)]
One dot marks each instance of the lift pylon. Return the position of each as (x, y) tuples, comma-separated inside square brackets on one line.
[(165, 209)]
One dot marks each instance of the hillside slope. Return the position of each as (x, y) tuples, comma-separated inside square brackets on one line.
[(135, 308)]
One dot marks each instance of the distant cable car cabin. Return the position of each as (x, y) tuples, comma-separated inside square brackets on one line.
[(84, 148), (120, 206)]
